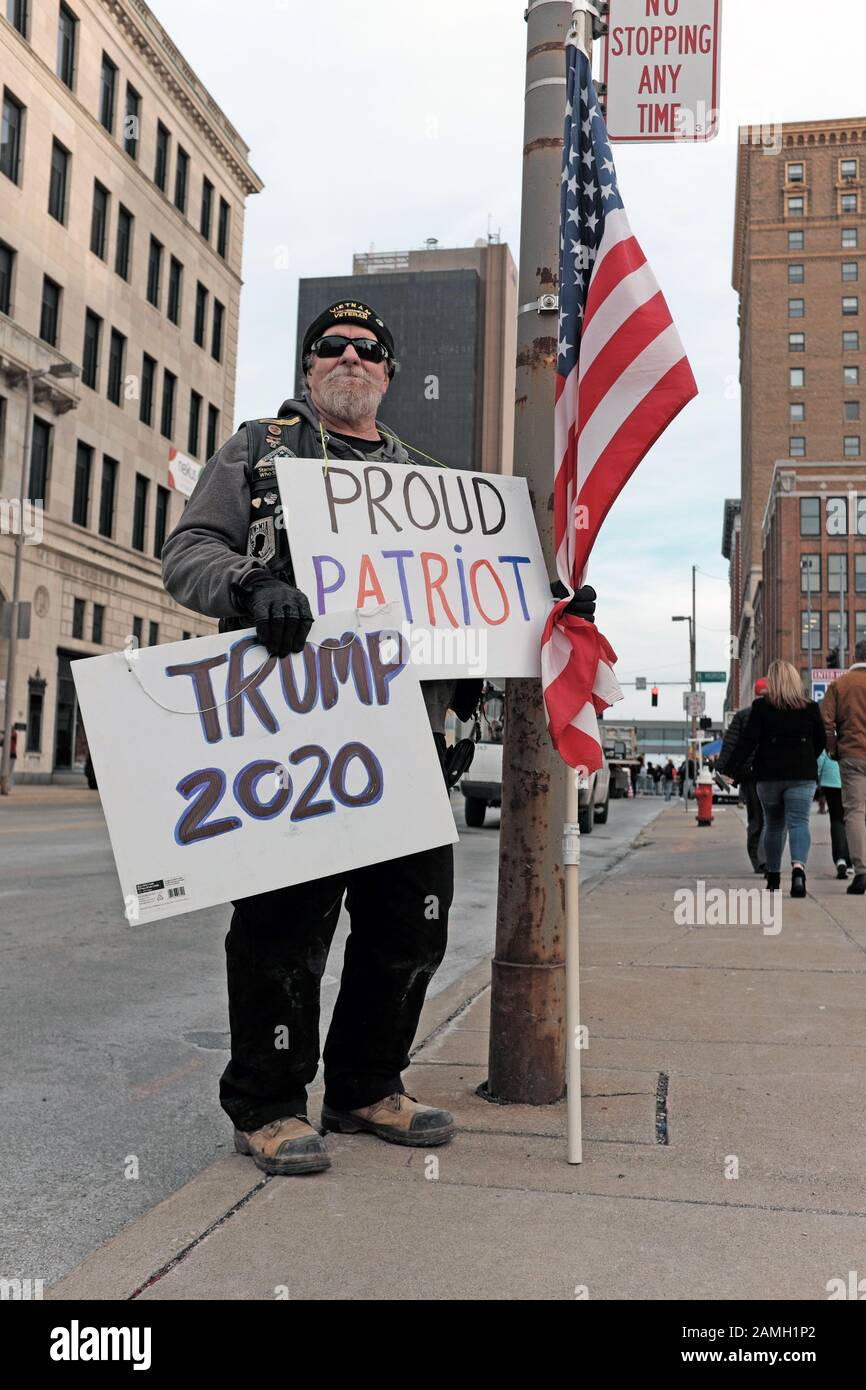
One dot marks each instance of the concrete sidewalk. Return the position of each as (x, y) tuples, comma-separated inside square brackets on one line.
[(723, 1126)]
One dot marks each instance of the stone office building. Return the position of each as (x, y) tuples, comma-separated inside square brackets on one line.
[(122, 193)]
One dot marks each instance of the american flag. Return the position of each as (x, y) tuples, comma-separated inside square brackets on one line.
[(622, 375)]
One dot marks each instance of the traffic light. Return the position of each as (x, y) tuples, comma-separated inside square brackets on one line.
[(706, 721), (655, 696)]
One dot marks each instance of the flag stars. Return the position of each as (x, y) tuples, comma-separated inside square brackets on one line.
[(608, 166), (564, 347), (590, 189), (608, 190)]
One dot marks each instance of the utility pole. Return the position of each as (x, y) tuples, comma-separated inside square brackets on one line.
[(843, 617), (807, 568), (527, 1026), (693, 642)]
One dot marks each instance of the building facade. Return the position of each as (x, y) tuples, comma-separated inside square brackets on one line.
[(453, 314), (798, 267), (732, 551), (122, 194)]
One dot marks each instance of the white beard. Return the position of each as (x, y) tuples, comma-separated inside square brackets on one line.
[(348, 397)]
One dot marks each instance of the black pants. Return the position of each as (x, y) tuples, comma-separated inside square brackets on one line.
[(838, 838), (755, 830), (277, 948)]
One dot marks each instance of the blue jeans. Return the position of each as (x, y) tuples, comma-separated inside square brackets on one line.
[(786, 805)]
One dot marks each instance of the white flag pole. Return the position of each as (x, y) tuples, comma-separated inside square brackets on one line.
[(571, 865)]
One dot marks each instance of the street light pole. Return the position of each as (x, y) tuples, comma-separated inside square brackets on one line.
[(807, 569), (693, 639)]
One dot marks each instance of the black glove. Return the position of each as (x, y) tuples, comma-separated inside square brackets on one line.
[(281, 614), (583, 603)]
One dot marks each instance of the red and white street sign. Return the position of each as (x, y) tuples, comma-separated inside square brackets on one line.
[(183, 472), (661, 67)]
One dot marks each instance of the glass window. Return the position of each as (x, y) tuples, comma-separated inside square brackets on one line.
[(200, 314), (851, 376), (132, 122), (163, 141), (49, 322), (860, 574), (67, 34), (78, 607), (848, 168), (99, 220), (116, 356), (175, 277), (12, 133), (154, 272), (35, 707), (795, 173), (849, 202), (40, 460), (796, 273), (124, 242), (814, 644), (796, 241), (107, 88), (206, 208), (798, 412), (810, 516), (181, 179), (796, 377), (106, 496), (852, 446), (849, 238), (850, 304), (810, 574), (7, 264), (16, 13), (81, 487), (90, 351), (837, 516), (213, 422), (139, 512), (796, 342), (851, 342), (796, 308), (152, 634), (216, 349), (223, 229), (796, 447), (58, 181), (160, 526), (850, 270), (837, 574), (860, 625), (137, 625), (169, 383), (98, 623), (194, 437), (148, 381), (796, 206), (851, 410)]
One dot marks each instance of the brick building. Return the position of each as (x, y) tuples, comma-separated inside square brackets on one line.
[(122, 190), (798, 268)]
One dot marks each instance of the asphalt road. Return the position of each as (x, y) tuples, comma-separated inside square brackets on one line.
[(114, 1036)]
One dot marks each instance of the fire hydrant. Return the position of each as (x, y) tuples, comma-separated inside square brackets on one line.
[(704, 797)]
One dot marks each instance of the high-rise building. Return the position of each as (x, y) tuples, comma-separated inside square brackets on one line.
[(798, 267), (122, 192), (453, 314)]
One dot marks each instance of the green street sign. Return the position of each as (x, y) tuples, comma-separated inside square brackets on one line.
[(712, 677)]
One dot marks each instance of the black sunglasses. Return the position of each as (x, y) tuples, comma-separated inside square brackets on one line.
[(334, 345)]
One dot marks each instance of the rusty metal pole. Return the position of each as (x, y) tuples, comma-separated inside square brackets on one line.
[(527, 1027)]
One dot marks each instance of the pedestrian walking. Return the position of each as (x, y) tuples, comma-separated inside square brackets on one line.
[(657, 779), (830, 783), (843, 711), (748, 791), (784, 737), (670, 777)]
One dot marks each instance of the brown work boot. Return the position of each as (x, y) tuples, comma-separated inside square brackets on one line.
[(398, 1118), (284, 1146)]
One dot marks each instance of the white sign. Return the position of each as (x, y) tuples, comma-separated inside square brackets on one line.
[(822, 679), (224, 772), (694, 702), (661, 65), (457, 551), (183, 472)]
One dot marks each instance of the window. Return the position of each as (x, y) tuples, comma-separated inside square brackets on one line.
[(815, 642), (10, 143), (148, 381), (850, 305), (58, 181), (851, 410), (849, 238), (40, 460), (796, 308), (796, 447), (90, 351), (163, 141), (81, 489), (185, 636), (206, 208), (169, 383), (796, 342), (67, 35), (152, 634), (99, 220), (78, 607), (35, 704), (796, 273), (223, 229), (860, 626), (49, 322), (116, 354), (837, 574), (848, 169), (213, 424), (132, 122), (107, 88), (194, 436), (835, 632), (796, 377), (795, 173), (851, 342), (98, 623), (7, 264), (851, 376), (216, 347), (810, 574), (860, 574), (154, 272), (137, 625), (106, 496), (175, 277), (160, 526), (796, 241), (200, 313), (124, 242), (850, 270), (837, 516), (139, 513), (849, 202), (810, 516), (796, 206), (852, 446), (16, 13), (181, 179), (798, 412)]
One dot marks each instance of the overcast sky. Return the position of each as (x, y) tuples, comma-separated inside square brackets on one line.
[(384, 123)]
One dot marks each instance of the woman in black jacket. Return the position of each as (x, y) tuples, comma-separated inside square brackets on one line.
[(785, 733)]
